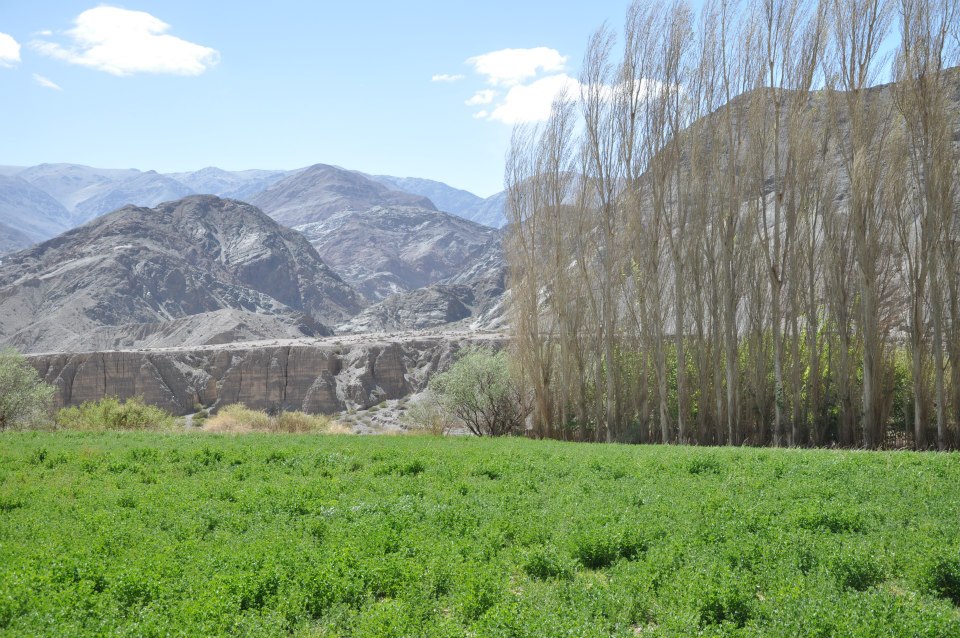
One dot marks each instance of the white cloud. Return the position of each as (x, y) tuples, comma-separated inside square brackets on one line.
[(124, 42), (508, 67), (443, 77), (9, 50), (486, 96), (481, 115), (46, 83), (532, 102)]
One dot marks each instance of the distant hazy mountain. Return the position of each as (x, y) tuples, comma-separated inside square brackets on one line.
[(142, 272), (12, 240), (445, 197), (489, 212), (317, 192), (385, 250), (234, 184), (30, 212), (142, 189)]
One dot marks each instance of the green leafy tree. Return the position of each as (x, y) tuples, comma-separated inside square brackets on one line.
[(25, 400), (480, 391)]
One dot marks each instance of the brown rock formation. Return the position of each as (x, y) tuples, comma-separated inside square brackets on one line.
[(316, 376)]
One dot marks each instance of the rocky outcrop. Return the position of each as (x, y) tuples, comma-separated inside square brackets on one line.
[(317, 376)]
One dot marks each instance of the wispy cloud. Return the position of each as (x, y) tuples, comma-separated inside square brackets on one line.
[(46, 82), (9, 50), (124, 42), (508, 67), (532, 102), (486, 96), (525, 82), (443, 77)]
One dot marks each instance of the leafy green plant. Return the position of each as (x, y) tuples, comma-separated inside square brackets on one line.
[(263, 535)]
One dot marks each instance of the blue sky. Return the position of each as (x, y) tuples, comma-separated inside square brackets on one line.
[(179, 85)]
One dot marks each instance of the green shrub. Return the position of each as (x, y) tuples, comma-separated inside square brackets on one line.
[(704, 464), (480, 392), (833, 520), (945, 579), (858, 572), (725, 606), (601, 546), (113, 414), (545, 562), (25, 400)]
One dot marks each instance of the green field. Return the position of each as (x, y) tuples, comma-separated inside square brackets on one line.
[(196, 535)]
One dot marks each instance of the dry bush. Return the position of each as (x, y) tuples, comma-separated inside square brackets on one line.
[(425, 415), (301, 423), (239, 419), (112, 414)]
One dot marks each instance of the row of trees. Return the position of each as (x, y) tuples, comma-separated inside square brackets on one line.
[(735, 234)]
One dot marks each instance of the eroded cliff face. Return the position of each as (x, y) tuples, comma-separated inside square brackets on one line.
[(317, 376)]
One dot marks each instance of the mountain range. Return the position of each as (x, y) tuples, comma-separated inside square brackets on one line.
[(321, 245)]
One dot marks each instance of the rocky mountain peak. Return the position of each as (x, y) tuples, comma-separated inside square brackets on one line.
[(317, 192)]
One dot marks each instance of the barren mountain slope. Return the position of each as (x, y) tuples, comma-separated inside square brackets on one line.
[(142, 266), (382, 251), (474, 297)]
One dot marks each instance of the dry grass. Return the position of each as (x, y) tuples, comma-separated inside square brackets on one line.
[(239, 419)]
